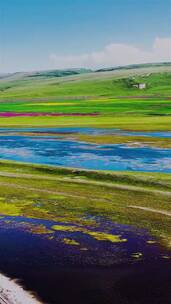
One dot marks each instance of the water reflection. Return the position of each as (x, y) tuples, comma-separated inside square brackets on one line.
[(38, 254), (63, 152)]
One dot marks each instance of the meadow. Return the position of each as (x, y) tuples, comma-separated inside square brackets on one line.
[(105, 84), (93, 99)]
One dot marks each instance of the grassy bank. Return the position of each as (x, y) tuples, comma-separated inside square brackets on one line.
[(135, 123), (69, 195), (131, 140)]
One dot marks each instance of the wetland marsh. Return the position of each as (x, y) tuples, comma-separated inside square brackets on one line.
[(85, 187), (86, 148), (87, 232)]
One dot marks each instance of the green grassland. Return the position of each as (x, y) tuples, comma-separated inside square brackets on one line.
[(69, 195), (104, 84), (110, 95), (137, 123), (105, 106)]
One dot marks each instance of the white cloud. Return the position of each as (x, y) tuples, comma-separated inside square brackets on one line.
[(116, 54)]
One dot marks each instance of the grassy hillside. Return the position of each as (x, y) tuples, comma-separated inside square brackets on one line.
[(115, 83), (105, 99)]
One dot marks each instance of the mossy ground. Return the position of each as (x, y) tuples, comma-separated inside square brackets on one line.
[(70, 196)]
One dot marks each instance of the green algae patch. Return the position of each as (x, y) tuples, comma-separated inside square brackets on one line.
[(100, 236), (70, 242), (65, 228), (39, 229), (29, 227), (9, 209), (77, 219)]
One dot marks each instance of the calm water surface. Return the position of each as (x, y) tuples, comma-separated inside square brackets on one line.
[(57, 150), (135, 271)]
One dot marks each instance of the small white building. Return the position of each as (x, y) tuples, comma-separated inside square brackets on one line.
[(140, 86)]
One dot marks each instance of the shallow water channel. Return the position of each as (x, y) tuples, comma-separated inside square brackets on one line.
[(55, 148)]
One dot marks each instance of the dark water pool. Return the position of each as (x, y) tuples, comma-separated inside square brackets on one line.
[(59, 151), (136, 270)]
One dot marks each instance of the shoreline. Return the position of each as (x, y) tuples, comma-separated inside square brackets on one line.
[(13, 293)]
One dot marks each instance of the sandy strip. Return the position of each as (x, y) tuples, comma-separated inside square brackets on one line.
[(13, 293)]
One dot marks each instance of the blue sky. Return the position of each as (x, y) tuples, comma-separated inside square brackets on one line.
[(42, 34)]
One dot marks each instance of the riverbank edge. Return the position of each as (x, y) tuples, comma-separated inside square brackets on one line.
[(11, 292)]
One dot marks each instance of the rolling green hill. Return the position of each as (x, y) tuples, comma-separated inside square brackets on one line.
[(87, 83), (110, 96)]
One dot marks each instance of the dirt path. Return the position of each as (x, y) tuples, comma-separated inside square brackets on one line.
[(86, 182), (163, 212), (51, 192)]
